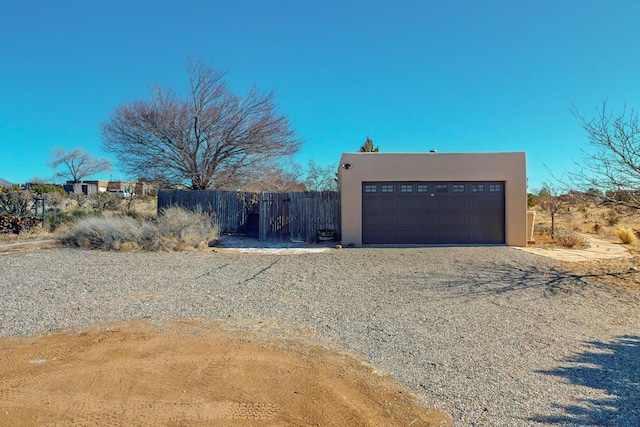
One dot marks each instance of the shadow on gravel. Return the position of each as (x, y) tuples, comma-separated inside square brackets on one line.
[(503, 279), (500, 279), (613, 368)]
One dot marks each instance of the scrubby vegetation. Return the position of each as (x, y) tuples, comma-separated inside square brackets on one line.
[(48, 188), (174, 230), (15, 201), (580, 218), (55, 218), (561, 237), (62, 210)]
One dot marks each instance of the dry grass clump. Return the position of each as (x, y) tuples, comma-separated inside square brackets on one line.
[(626, 235), (175, 229), (104, 232)]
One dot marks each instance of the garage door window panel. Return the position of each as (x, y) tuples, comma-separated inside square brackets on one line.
[(442, 188), (458, 188), (406, 188), (477, 188)]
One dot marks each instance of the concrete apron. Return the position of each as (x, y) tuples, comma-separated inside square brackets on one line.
[(599, 250)]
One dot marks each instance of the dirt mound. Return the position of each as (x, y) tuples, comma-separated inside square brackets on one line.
[(187, 374)]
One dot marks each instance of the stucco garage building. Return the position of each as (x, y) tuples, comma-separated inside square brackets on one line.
[(433, 198)]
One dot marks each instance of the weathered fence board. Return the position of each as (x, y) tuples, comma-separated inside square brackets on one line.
[(282, 216)]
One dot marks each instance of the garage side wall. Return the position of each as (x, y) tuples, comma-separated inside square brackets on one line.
[(371, 167)]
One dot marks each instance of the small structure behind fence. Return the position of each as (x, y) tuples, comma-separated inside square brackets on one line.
[(296, 216)]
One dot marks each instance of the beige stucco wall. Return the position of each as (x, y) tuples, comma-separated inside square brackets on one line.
[(507, 167)]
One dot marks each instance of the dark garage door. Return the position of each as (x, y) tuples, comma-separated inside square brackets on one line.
[(433, 213)]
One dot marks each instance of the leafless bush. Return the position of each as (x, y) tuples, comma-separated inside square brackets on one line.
[(612, 217), (53, 199), (15, 201), (104, 201), (563, 237), (543, 229), (570, 239)]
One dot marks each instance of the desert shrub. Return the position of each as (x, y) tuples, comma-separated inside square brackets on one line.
[(133, 214), (16, 201), (612, 217), (189, 227), (48, 188), (53, 199), (626, 235), (55, 218), (175, 229), (104, 232), (570, 239), (104, 201), (584, 210), (542, 229)]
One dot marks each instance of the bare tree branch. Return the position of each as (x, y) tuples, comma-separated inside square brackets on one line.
[(321, 178), (551, 201), (609, 170), (209, 138), (78, 164)]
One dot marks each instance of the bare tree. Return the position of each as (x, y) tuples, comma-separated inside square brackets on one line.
[(321, 178), (610, 170), (551, 202), (368, 147), (208, 138), (278, 178), (77, 164)]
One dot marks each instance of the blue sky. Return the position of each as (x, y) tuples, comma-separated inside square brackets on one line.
[(451, 75)]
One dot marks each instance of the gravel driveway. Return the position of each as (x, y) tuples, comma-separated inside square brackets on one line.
[(493, 335)]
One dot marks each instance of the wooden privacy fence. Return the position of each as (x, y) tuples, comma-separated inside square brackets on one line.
[(269, 216)]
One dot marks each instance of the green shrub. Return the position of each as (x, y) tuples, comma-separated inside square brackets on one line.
[(48, 188)]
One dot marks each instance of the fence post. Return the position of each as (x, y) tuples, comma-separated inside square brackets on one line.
[(38, 200), (262, 217)]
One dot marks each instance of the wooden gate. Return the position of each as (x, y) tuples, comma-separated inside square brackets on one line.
[(295, 216)]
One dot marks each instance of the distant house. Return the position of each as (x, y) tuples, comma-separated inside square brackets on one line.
[(86, 188)]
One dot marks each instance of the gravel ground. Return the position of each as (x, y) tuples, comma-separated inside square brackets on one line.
[(493, 335)]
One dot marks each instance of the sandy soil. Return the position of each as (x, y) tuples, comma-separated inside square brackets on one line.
[(186, 374)]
